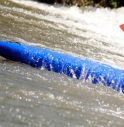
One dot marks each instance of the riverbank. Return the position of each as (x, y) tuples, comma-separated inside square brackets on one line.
[(82, 3)]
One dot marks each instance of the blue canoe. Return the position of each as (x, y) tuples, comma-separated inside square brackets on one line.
[(75, 67)]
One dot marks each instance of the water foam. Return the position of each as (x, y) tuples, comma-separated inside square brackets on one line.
[(104, 22)]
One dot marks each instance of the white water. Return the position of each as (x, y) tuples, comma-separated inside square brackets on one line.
[(101, 25), (37, 98), (104, 22)]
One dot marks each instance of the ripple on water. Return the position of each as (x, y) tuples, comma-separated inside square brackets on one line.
[(37, 98)]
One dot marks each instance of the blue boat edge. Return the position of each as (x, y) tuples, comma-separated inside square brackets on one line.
[(69, 65)]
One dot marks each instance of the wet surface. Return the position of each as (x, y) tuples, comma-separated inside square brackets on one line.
[(37, 98)]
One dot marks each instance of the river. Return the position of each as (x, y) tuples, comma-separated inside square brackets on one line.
[(32, 97)]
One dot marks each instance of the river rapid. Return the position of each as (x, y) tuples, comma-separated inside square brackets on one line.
[(32, 97)]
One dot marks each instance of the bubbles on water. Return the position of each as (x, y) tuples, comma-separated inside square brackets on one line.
[(89, 33), (50, 97), (31, 97)]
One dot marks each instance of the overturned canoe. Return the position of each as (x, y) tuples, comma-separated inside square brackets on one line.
[(74, 67)]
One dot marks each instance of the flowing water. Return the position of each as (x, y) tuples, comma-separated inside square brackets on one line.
[(37, 98)]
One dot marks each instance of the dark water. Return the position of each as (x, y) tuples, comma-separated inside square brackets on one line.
[(38, 98)]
